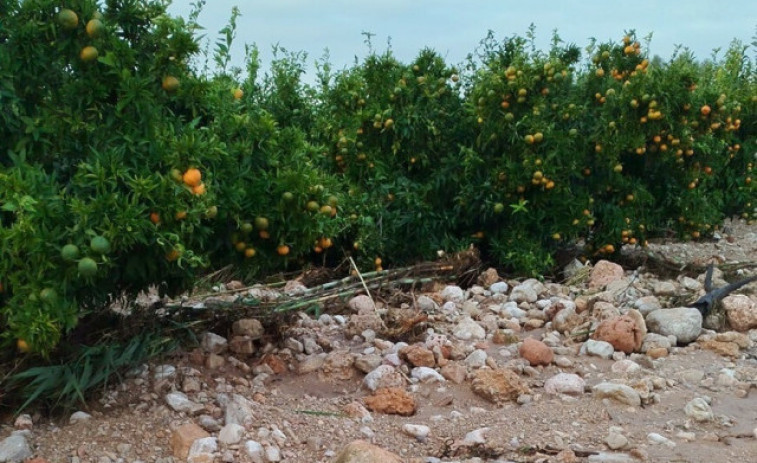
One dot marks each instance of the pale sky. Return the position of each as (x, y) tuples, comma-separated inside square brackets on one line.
[(454, 28)]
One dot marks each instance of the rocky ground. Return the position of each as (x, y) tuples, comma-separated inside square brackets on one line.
[(609, 366)]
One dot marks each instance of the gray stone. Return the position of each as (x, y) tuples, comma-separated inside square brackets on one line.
[(248, 327), (239, 410), (427, 375), (654, 341), (647, 304), (202, 450), (499, 287), (79, 417), (255, 451), (616, 440), (232, 433), (565, 383), (467, 329), (600, 349), (383, 376), (14, 449), (664, 288), (658, 439), (685, 323), (476, 359), (361, 303), (213, 343), (452, 293), (426, 304), (618, 392), (524, 293), (699, 410), (179, 402)]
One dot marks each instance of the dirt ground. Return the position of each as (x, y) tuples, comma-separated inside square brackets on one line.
[(303, 414)]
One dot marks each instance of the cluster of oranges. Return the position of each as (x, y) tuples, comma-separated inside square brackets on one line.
[(69, 20)]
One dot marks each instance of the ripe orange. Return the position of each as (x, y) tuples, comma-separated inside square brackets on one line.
[(249, 252), (199, 190), (538, 137), (240, 246), (282, 249), (22, 346), (170, 84), (88, 54), (180, 215), (155, 218), (238, 93), (325, 243), (705, 110), (192, 177), (173, 255), (377, 262), (264, 234), (529, 139)]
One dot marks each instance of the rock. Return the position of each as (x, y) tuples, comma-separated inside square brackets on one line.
[(14, 449), (360, 322), (654, 341), (618, 392), (488, 277), (183, 437), (647, 304), (454, 372), (239, 410), (623, 332), (383, 376), (524, 292), (23, 421), (208, 423), (567, 319), (658, 439), (499, 287), (426, 375), (740, 311), (426, 305), (338, 366), (202, 450), (311, 363), (626, 367), (179, 402), (452, 293), (255, 451), (79, 417), (565, 383), (572, 268), (726, 349), (536, 352), (356, 410), (498, 386), (740, 339), (214, 361), (366, 363), (476, 359), (243, 345), (616, 440), (600, 349), (510, 309), (664, 288), (699, 410), (272, 453), (248, 327), (505, 337), (604, 457), (232, 433), (213, 343), (467, 329), (419, 431), (685, 323), (605, 272), (690, 284), (418, 356), (360, 451), (361, 303), (475, 437)]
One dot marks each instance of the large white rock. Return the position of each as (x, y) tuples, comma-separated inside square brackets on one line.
[(685, 323)]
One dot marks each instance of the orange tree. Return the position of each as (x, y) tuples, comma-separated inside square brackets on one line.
[(123, 168), (394, 133)]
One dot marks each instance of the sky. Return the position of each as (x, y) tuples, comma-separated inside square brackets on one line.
[(454, 28)]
